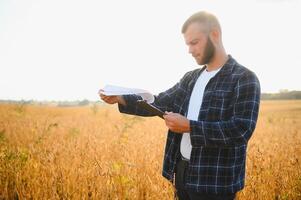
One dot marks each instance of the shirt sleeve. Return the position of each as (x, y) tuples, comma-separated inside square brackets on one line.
[(239, 128), (164, 100)]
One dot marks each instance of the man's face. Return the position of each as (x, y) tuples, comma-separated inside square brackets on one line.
[(199, 43)]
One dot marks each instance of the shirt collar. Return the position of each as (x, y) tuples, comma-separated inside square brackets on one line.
[(228, 66)]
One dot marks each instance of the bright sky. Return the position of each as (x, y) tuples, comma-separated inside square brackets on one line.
[(69, 49)]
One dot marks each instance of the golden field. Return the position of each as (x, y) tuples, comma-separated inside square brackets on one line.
[(94, 152)]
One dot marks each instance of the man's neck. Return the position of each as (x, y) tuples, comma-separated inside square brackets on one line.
[(217, 62)]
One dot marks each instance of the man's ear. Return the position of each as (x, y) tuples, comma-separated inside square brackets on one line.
[(215, 34)]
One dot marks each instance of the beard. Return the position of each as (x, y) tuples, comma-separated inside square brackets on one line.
[(208, 53)]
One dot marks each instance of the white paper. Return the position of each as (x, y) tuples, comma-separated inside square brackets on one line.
[(111, 90)]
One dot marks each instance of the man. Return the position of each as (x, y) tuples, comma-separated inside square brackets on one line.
[(211, 114)]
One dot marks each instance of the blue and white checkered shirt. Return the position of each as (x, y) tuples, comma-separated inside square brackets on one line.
[(219, 137)]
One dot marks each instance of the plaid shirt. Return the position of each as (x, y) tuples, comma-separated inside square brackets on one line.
[(226, 121)]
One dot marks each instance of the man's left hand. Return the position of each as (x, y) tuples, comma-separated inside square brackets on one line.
[(176, 122)]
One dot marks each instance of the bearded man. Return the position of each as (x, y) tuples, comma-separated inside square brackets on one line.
[(210, 113)]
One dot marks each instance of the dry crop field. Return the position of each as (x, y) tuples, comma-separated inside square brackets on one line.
[(94, 152)]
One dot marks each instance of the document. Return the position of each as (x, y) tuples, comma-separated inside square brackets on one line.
[(112, 90)]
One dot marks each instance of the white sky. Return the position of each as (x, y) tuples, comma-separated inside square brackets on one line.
[(68, 49)]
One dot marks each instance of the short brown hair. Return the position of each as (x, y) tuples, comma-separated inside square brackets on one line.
[(209, 20)]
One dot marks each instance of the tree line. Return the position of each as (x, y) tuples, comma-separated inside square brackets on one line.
[(281, 95)]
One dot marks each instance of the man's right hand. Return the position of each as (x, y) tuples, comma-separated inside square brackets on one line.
[(112, 99)]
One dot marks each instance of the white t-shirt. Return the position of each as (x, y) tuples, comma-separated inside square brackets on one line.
[(195, 103)]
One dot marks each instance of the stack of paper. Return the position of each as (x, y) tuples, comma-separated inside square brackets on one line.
[(112, 90)]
